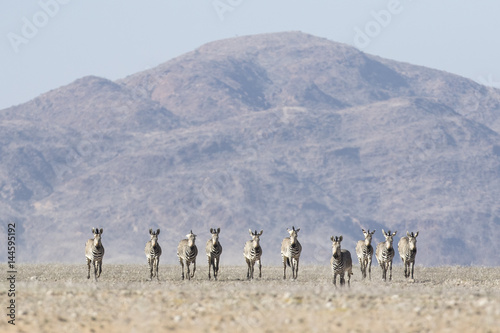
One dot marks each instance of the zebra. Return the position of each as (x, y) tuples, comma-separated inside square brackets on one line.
[(187, 252), (253, 253), (214, 250), (364, 251), (340, 262), (153, 253), (94, 252), (407, 248), (290, 252), (385, 254)]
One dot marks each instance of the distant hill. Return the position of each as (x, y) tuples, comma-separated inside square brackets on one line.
[(260, 132)]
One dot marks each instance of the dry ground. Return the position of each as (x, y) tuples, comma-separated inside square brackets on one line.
[(59, 298)]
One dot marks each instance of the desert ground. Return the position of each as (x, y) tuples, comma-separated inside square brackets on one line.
[(59, 298)]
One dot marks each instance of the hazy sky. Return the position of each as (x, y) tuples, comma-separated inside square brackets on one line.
[(49, 43)]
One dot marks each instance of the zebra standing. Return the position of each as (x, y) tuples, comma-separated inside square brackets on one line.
[(94, 251), (385, 254), (214, 250), (253, 253), (153, 253), (340, 262), (364, 251), (407, 248), (290, 252), (187, 252)]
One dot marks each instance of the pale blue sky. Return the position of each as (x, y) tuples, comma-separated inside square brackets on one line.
[(45, 44)]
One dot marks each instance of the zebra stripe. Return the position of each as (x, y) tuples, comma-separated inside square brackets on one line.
[(94, 252), (153, 253), (364, 252), (385, 254), (187, 252), (407, 248), (214, 250), (253, 253), (290, 252), (340, 262)]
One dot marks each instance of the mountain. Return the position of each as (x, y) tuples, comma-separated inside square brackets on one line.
[(257, 132)]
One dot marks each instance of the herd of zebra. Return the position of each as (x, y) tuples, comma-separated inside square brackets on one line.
[(340, 262)]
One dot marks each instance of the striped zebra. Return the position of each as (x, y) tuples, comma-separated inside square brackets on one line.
[(187, 252), (153, 253), (214, 250), (290, 252), (340, 262), (407, 248), (385, 254), (253, 253), (364, 251), (94, 251)]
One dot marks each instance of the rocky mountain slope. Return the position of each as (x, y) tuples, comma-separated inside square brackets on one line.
[(260, 132)]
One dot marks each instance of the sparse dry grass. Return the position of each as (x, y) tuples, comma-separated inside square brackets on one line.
[(59, 298)]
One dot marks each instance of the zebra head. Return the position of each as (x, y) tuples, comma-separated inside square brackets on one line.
[(154, 237), (255, 237), (191, 238), (412, 240), (97, 236), (293, 234), (215, 235), (368, 236), (336, 249), (388, 238)]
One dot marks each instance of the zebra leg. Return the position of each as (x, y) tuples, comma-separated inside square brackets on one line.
[(412, 267), (157, 261), (296, 268), (88, 264), (95, 269), (188, 270), (335, 279), (284, 260), (342, 279), (194, 268), (216, 268), (260, 268), (182, 268), (100, 268), (369, 264), (248, 269), (209, 266), (390, 271)]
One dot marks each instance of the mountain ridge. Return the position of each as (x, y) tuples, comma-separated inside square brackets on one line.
[(260, 132)]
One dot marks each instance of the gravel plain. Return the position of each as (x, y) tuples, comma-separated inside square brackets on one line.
[(59, 298)]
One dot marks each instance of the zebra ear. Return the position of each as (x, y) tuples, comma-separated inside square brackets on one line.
[(408, 234), (394, 233), (416, 234), (340, 238), (150, 231), (297, 230), (218, 230), (331, 238), (100, 231), (260, 234), (373, 232), (383, 232), (250, 231), (157, 232), (93, 230), (211, 230)]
